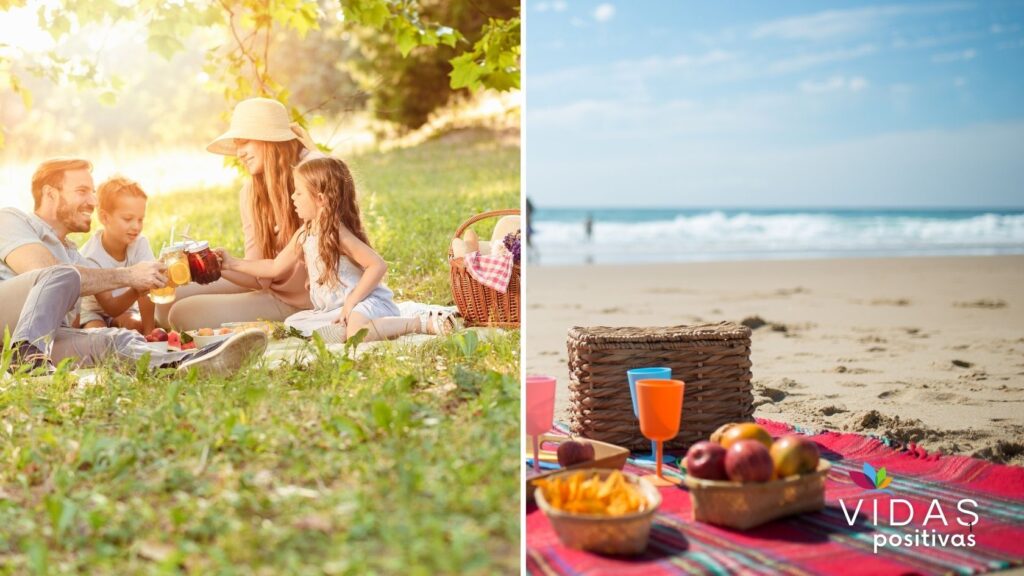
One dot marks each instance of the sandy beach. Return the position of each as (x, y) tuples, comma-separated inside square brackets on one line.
[(926, 350)]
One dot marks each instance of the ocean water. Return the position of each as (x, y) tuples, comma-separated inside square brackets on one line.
[(680, 235)]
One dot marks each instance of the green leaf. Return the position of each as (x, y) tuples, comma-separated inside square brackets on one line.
[(502, 80), (164, 45), (465, 72), (447, 36), (354, 341), (407, 37), (881, 476), (108, 99), (59, 26)]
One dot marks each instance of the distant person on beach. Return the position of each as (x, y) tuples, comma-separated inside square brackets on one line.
[(588, 226), (529, 223), (42, 277)]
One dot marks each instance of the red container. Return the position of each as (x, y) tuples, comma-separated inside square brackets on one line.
[(203, 263)]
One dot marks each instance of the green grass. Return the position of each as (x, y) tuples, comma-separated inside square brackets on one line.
[(405, 460)]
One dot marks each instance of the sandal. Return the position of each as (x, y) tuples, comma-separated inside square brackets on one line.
[(443, 321)]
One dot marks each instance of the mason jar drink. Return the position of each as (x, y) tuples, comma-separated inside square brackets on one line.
[(203, 263), (178, 274)]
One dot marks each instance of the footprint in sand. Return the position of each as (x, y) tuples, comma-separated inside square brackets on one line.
[(549, 353), (891, 302), (890, 394), (983, 303), (774, 394), (832, 410), (845, 370), (852, 384)]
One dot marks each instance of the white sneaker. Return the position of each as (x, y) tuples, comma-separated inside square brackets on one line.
[(229, 356)]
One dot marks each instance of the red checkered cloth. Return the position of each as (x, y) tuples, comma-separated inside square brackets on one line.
[(492, 270)]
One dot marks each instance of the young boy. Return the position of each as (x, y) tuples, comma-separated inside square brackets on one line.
[(120, 243)]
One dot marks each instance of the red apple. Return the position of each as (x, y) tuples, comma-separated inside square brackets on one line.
[(748, 461), (157, 335), (572, 452), (706, 460), (794, 454)]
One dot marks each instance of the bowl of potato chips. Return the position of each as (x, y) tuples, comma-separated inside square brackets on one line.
[(600, 510)]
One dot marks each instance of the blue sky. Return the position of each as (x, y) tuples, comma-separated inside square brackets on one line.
[(775, 104)]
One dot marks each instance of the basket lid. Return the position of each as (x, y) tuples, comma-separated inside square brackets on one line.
[(655, 334)]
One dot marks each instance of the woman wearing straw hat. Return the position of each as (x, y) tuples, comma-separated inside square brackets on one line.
[(269, 145)]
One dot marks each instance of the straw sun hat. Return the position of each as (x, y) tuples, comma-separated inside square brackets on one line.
[(260, 119)]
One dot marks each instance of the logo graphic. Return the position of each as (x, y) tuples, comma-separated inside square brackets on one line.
[(871, 480)]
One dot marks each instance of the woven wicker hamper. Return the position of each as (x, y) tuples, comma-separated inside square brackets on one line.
[(712, 359)]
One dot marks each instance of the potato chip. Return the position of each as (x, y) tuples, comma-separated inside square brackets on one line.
[(579, 494)]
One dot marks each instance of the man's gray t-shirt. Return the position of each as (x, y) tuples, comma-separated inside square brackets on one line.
[(18, 229)]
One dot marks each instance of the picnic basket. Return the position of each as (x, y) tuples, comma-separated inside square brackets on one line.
[(712, 359), (481, 305), (744, 506)]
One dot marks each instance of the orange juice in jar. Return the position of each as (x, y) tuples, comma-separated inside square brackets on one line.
[(178, 274)]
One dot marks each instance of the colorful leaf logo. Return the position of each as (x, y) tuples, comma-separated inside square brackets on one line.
[(872, 480)]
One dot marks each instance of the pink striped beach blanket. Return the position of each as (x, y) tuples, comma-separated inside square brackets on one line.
[(938, 515)]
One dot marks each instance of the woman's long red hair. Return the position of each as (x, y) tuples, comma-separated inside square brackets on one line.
[(271, 197)]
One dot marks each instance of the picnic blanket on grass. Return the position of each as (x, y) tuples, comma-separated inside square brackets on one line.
[(824, 542)]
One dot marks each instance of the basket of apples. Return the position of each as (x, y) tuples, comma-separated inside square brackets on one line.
[(741, 478)]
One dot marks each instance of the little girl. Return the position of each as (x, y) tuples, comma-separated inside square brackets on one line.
[(344, 272)]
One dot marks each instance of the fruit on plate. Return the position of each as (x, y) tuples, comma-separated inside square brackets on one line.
[(204, 332), (706, 460), (224, 331), (573, 452), (745, 431), (173, 339), (157, 335), (749, 461), (794, 454), (716, 436)]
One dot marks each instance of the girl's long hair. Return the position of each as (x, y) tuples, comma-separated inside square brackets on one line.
[(271, 197), (331, 178)]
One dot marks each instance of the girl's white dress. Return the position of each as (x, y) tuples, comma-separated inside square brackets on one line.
[(328, 302)]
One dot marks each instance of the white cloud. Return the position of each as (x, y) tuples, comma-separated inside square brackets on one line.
[(959, 81), (807, 60), (604, 12), (961, 56), (835, 84), (1004, 28), (843, 23), (556, 6)]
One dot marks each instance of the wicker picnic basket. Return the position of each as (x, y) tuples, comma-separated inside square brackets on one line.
[(481, 305), (744, 506), (712, 359)]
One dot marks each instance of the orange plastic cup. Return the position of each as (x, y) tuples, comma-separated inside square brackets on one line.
[(661, 406)]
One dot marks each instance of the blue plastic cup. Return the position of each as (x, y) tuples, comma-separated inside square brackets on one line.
[(653, 373)]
